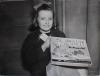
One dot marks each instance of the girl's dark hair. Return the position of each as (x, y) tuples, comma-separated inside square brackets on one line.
[(44, 7), (35, 26)]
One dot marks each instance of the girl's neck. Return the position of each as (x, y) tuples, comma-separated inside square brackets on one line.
[(45, 31)]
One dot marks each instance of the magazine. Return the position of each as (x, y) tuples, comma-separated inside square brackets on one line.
[(69, 52)]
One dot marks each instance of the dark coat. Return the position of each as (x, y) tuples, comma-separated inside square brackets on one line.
[(33, 58)]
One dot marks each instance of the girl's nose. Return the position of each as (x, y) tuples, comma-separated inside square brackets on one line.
[(47, 22)]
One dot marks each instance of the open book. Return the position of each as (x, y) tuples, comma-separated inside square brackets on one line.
[(69, 52)]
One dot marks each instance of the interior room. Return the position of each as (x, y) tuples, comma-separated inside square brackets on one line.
[(76, 18)]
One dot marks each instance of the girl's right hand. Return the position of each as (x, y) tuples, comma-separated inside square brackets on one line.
[(46, 44)]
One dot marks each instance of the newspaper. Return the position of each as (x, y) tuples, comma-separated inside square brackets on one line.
[(69, 52)]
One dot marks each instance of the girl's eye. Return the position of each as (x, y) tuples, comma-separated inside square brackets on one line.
[(42, 18), (50, 19)]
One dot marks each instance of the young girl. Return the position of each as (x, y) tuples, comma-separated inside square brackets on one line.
[(35, 51)]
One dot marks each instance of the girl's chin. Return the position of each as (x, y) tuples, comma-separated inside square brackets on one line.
[(45, 30)]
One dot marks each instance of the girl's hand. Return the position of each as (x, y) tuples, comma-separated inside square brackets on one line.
[(43, 37), (46, 44)]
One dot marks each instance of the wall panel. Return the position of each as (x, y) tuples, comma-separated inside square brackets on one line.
[(93, 33)]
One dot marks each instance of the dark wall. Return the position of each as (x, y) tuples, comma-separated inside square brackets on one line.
[(15, 19)]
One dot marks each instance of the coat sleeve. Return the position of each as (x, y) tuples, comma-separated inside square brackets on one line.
[(29, 52)]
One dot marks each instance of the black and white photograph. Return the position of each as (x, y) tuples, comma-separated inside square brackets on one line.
[(49, 37)]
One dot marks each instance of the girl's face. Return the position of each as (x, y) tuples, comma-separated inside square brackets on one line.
[(45, 20)]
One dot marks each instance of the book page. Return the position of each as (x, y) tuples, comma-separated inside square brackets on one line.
[(69, 49)]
